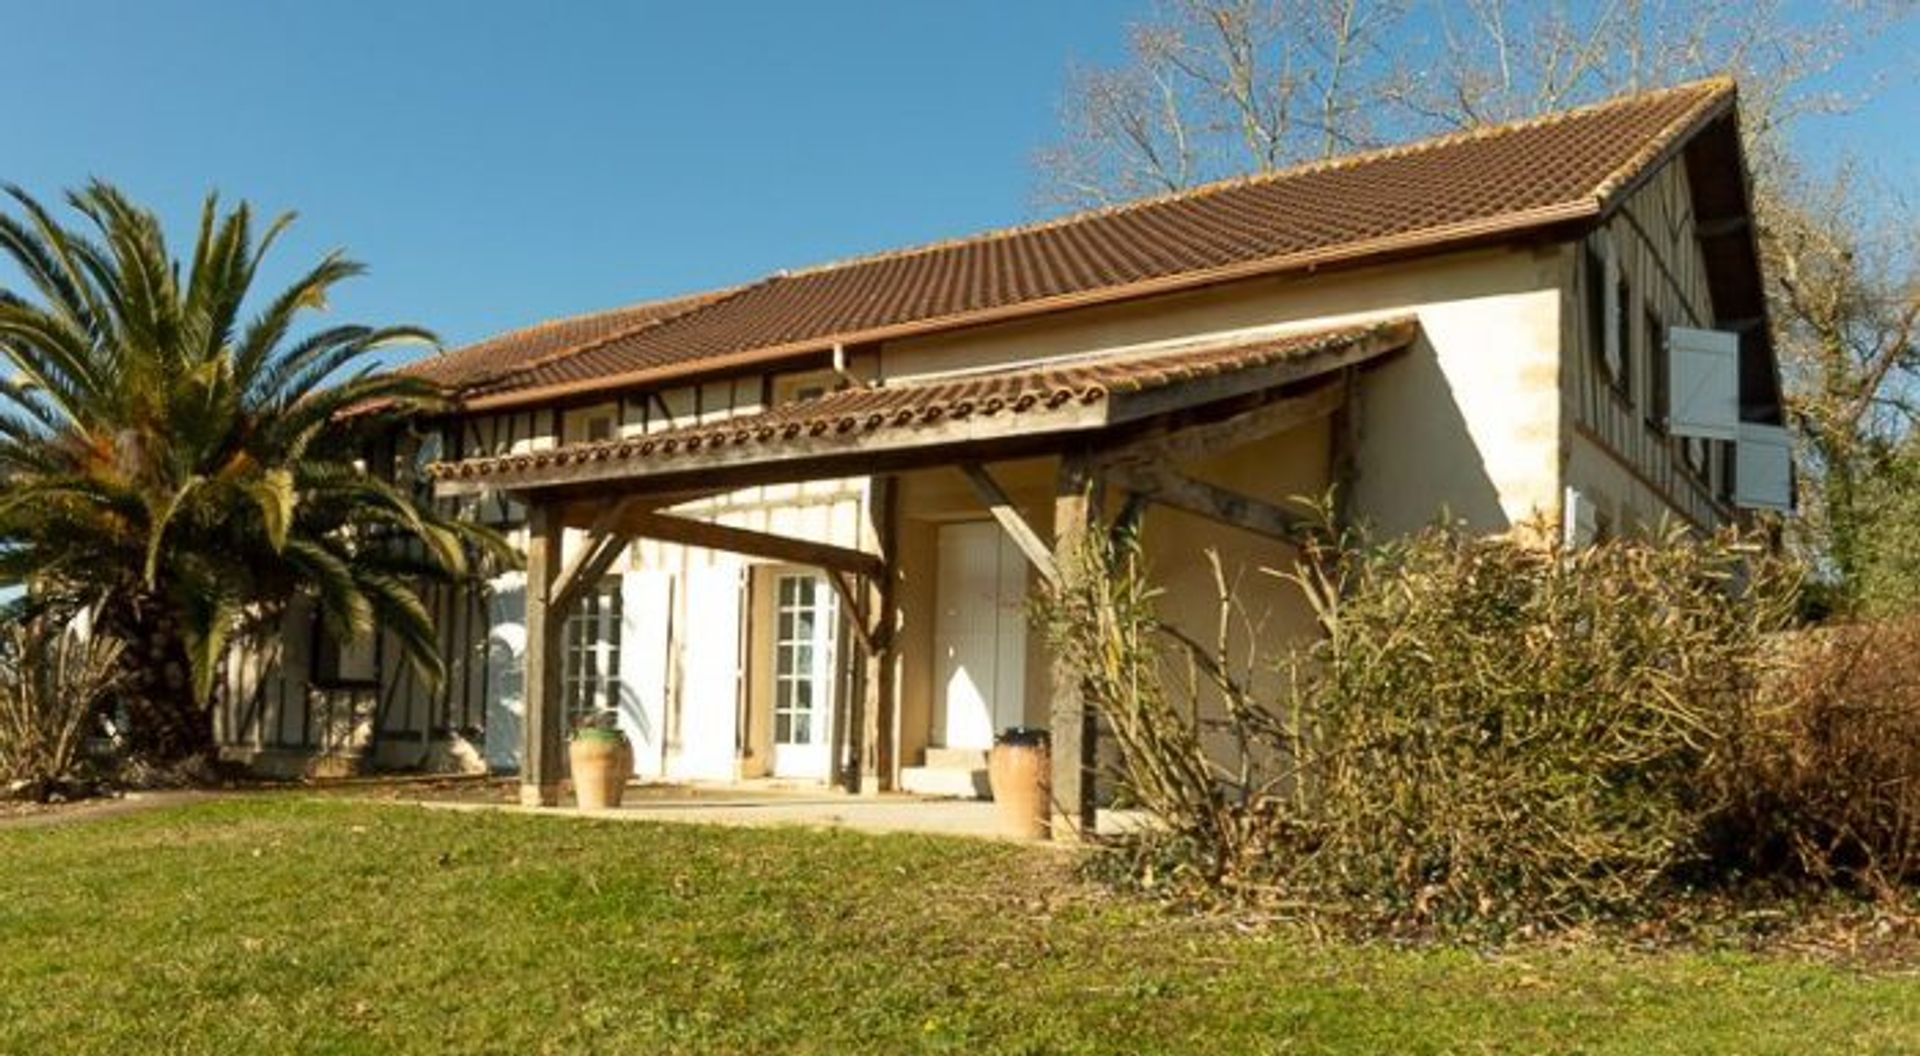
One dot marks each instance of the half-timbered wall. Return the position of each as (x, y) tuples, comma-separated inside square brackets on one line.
[(1618, 453), (271, 700)]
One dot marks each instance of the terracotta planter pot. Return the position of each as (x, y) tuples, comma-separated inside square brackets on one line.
[(601, 766), (1020, 772)]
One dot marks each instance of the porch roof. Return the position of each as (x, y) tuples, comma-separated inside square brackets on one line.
[(1012, 409)]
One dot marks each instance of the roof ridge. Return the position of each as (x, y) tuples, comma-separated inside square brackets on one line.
[(1726, 93), (1712, 87)]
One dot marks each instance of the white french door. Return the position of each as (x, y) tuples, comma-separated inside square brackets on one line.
[(803, 664)]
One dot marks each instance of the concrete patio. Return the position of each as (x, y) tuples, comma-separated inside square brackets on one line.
[(773, 805)]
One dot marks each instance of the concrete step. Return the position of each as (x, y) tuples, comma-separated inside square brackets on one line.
[(952, 781), (957, 758)]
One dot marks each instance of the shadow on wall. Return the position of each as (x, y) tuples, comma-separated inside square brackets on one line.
[(506, 647), (1417, 457)]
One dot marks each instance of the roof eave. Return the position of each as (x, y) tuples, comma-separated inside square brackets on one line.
[(1032, 430)]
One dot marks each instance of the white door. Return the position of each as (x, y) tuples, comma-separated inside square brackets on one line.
[(980, 634), (710, 674), (803, 664), (648, 607)]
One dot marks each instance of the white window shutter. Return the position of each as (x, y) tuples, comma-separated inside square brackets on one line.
[(1763, 468), (1704, 383), (1581, 517)]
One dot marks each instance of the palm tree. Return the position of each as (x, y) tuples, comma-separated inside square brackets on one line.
[(189, 469)]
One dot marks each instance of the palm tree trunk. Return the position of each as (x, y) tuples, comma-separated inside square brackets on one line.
[(166, 722)]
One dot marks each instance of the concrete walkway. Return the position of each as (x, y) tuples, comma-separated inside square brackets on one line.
[(882, 813), (96, 809)]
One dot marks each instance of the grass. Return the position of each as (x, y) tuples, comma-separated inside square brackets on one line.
[(276, 924)]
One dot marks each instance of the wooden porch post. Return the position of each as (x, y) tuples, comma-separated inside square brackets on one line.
[(1074, 725), (876, 684), (543, 750)]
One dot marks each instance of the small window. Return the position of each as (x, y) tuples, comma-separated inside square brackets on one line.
[(1658, 370), (811, 385), (599, 429), (1697, 456), (338, 663), (1597, 308), (1622, 329)]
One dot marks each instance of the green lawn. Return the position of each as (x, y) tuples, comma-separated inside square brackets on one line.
[(281, 925)]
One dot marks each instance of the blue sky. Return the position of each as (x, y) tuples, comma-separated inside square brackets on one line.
[(501, 163)]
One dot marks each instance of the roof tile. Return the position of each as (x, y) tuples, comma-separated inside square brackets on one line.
[(1423, 196)]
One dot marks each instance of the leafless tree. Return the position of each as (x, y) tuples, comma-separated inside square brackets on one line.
[(1213, 88), (1842, 256)]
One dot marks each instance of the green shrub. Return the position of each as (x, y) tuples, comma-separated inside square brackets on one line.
[(1490, 735)]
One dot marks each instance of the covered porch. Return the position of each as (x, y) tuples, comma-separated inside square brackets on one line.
[(1037, 455)]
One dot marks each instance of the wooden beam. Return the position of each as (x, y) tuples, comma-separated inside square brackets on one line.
[(1207, 500), (1073, 725), (542, 756), (846, 742), (877, 684), (1182, 443), (688, 532), (1011, 522), (604, 543), (593, 513), (1343, 451), (1722, 227), (852, 592), (830, 455)]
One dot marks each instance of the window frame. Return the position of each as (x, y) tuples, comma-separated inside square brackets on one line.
[(592, 632)]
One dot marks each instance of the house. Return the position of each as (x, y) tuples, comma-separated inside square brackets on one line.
[(789, 529)]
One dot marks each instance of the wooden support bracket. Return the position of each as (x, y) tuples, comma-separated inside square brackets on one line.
[(689, 532), (1207, 500), (605, 540), (1182, 443), (1011, 521)]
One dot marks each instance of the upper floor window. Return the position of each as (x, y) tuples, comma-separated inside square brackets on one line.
[(591, 425), (1621, 328), (1659, 368), (1596, 290), (789, 388), (1607, 335)]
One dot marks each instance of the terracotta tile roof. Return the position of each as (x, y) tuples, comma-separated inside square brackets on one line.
[(1497, 182), (1068, 394), (474, 366)]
